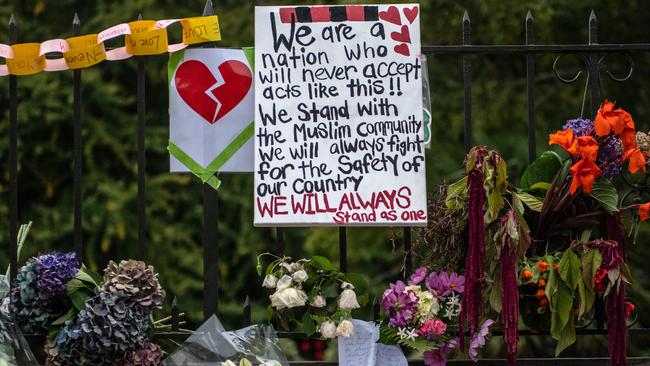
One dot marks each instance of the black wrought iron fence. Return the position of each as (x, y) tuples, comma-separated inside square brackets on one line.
[(592, 54)]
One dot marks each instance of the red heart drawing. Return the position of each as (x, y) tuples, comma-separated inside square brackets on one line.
[(194, 81), (403, 36), (391, 15), (411, 14), (402, 49)]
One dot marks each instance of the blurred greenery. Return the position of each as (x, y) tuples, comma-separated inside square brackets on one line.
[(174, 202)]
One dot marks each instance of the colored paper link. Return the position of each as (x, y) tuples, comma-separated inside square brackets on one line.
[(142, 37), (207, 174)]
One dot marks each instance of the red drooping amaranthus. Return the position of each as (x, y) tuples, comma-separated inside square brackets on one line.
[(472, 303), (616, 309), (510, 304)]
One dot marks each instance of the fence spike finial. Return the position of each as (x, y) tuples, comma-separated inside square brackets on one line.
[(465, 17), (529, 16), (592, 16), (208, 10), (139, 16), (75, 20), (12, 20)]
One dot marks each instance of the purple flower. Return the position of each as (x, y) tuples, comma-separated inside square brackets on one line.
[(434, 284), (479, 338), (457, 283), (436, 357), (609, 156), (399, 305), (419, 276), (580, 127), (54, 271)]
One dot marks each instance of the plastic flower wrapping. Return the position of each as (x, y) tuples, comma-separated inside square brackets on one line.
[(313, 295), (211, 345), (423, 314), (14, 350), (89, 319)]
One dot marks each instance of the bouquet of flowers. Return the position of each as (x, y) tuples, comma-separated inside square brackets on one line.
[(424, 315), (314, 294), (89, 319)]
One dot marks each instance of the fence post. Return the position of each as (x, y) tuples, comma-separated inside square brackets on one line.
[(530, 88), (343, 249), (594, 77), (13, 163), (467, 82), (210, 237), (142, 168), (77, 158)]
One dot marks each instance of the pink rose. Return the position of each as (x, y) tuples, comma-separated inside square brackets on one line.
[(439, 327)]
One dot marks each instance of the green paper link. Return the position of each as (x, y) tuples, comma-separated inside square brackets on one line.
[(192, 165)]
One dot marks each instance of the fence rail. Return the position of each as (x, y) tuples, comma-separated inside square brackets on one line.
[(592, 51)]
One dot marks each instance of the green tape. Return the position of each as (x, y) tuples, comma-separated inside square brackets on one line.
[(249, 52), (207, 174)]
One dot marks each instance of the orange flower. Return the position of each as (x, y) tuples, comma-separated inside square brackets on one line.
[(555, 267), (628, 135), (565, 139), (540, 294), (526, 274), (637, 160), (609, 119), (543, 302), (587, 147), (542, 265), (584, 173), (644, 209), (541, 282)]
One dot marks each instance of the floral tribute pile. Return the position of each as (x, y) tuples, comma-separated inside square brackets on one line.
[(89, 319), (551, 250), (312, 295)]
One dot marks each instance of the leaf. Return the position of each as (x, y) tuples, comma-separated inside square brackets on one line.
[(387, 335), (551, 288), (605, 193), (86, 275), (495, 297), (566, 337), (570, 269), (531, 201), (455, 193), (330, 289), (501, 175), (627, 275), (586, 299), (563, 309), (591, 261), (495, 203), (323, 263), (543, 169), (78, 298), (308, 325), (541, 185), (67, 316)]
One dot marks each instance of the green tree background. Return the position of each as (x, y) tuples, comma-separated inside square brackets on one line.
[(174, 209)]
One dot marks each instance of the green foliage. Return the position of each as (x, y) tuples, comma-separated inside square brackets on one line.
[(541, 170), (605, 193)]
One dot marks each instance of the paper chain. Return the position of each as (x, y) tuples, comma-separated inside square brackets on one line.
[(142, 37)]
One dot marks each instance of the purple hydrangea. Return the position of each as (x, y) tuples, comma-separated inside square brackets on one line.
[(54, 272), (579, 126), (399, 304)]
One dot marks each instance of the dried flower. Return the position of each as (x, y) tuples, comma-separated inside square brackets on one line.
[(149, 354), (318, 302), (328, 329), (348, 299), (135, 280), (345, 328), (286, 297), (643, 141), (270, 281), (54, 271)]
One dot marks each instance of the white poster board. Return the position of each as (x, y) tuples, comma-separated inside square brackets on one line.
[(211, 106), (338, 116)]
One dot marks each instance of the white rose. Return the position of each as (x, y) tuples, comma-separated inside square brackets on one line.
[(345, 329), (283, 282), (348, 299), (300, 276), (245, 362), (270, 281), (328, 329), (287, 298), (318, 302)]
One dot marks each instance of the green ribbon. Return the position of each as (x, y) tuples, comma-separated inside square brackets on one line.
[(207, 174)]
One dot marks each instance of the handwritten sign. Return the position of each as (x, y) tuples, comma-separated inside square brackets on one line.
[(338, 119), (362, 349)]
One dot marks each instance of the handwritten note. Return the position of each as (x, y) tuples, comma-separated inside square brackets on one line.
[(362, 349)]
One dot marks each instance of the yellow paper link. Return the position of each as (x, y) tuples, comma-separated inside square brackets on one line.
[(142, 37), (26, 60), (84, 51), (201, 29), (146, 39)]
